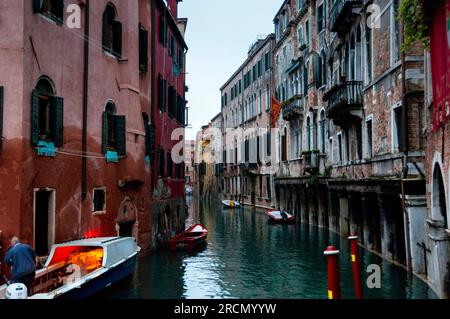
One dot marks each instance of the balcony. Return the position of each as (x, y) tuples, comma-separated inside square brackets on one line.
[(248, 168), (293, 108), (311, 161), (219, 168), (343, 14), (345, 101)]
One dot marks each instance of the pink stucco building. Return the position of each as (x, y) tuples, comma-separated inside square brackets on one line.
[(76, 123)]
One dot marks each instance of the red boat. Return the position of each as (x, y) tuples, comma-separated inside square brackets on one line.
[(190, 238), (277, 216)]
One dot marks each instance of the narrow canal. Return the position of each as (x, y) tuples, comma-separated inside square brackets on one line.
[(247, 258)]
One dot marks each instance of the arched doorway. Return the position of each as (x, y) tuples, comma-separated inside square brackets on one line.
[(127, 223), (439, 203)]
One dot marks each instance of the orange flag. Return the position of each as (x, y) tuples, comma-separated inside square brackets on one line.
[(274, 111)]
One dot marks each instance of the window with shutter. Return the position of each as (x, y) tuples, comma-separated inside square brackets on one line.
[(109, 15), (47, 115), (1, 118), (320, 18), (317, 73), (58, 120), (143, 50), (162, 30), (269, 144), (120, 133)]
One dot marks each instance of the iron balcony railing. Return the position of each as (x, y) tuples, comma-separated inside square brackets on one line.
[(339, 12), (293, 108), (345, 94), (219, 168), (248, 166)]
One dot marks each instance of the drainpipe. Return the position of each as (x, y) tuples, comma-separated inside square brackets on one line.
[(85, 100), (152, 99), (405, 156)]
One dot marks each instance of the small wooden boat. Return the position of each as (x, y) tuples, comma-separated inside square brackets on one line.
[(280, 217), (189, 239), (231, 203), (82, 268)]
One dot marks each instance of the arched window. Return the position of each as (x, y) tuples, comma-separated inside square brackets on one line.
[(308, 133), (439, 206), (314, 131), (358, 55), (322, 131), (305, 78), (112, 31), (235, 151), (323, 68), (368, 57), (113, 131), (352, 66), (47, 114), (346, 60), (284, 145)]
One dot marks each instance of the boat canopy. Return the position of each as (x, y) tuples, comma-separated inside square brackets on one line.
[(108, 250), (278, 214)]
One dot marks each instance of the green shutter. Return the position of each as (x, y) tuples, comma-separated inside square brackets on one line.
[(58, 120), (35, 117), (1, 118), (316, 71), (121, 135), (117, 38), (104, 132)]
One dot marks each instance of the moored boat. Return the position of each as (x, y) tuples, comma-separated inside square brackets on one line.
[(231, 203), (189, 239), (82, 268), (280, 217)]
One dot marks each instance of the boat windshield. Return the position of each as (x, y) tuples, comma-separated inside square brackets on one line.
[(68, 265), (194, 234)]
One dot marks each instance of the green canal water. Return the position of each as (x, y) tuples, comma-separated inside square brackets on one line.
[(247, 258)]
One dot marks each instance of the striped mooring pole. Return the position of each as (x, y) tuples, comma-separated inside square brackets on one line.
[(355, 266), (334, 285)]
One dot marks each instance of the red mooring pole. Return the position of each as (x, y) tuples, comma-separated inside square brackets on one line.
[(355, 266), (334, 285)]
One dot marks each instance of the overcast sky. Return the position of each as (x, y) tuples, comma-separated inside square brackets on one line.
[(219, 34)]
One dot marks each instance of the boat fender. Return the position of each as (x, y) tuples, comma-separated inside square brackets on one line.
[(16, 292)]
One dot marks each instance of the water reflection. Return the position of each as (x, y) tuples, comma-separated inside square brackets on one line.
[(245, 257)]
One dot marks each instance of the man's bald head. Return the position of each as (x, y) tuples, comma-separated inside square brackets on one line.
[(15, 240)]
